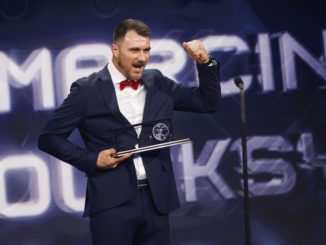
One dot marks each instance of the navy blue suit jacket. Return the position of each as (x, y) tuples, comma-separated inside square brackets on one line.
[(92, 107)]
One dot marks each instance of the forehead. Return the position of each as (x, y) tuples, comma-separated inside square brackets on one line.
[(132, 38)]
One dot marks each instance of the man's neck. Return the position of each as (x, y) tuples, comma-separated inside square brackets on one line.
[(115, 63), (116, 75)]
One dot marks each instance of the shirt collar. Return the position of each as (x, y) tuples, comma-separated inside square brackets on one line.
[(116, 75)]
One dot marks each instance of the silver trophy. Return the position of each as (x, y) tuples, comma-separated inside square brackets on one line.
[(146, 136)]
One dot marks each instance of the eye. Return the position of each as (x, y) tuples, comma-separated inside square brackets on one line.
[(134, 50)]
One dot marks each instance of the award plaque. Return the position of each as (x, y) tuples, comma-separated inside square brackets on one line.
[(146, 136)]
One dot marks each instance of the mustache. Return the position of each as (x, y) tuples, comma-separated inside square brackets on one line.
[(140, 63)]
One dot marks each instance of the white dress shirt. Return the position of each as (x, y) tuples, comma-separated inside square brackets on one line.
[(131, 104)]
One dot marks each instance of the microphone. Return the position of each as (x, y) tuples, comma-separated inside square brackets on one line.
[(246, 199), (238, 82)]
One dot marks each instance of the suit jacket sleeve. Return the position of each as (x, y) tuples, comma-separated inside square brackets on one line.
[(204, 98), (64, 120)]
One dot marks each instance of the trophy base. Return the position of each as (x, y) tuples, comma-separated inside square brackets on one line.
[(153, 147)]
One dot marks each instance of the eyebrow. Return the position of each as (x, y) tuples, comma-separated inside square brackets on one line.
[(137, 48)]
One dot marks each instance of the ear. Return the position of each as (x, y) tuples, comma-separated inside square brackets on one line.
[(115, 50)]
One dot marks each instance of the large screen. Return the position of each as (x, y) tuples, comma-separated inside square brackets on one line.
[(278, 48)]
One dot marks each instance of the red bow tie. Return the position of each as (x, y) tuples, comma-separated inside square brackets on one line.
[(132, 83)]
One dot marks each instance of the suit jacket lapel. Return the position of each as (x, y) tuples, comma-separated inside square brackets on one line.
[(147, 115), (150, 93), (110, 98), (108, 93)]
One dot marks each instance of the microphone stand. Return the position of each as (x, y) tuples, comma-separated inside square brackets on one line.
[(239, 83)]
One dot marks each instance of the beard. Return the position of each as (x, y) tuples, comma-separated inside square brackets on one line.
[(134, 72)]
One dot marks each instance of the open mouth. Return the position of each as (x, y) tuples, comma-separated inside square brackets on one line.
[(138, 65)]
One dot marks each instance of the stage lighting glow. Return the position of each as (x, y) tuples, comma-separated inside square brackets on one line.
[(173, 56), (36, 70), (289, 47), (263, 49), (227, 43), (38, 187), (205, 166), (65, 193), (70, 64)]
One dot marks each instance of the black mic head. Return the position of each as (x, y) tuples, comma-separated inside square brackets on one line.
[(238, 82)]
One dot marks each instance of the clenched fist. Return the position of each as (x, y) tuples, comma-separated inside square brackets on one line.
[(196, 50)]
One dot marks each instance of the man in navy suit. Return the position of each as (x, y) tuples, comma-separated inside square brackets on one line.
[(128, 198)]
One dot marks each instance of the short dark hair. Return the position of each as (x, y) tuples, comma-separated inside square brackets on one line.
[(130, 24)]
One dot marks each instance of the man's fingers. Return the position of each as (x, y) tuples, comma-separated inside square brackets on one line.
[(109, 152), (107, 158), (123, 157), (196, 50), (114, 161)]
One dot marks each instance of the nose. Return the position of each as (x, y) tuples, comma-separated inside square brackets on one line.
[(142, 56)]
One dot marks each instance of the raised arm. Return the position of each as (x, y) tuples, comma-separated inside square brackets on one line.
[(206, 97)]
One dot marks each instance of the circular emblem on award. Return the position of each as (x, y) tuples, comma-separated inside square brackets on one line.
[(160, 131)]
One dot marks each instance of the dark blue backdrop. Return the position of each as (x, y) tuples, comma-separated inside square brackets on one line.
[(277, 47)]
